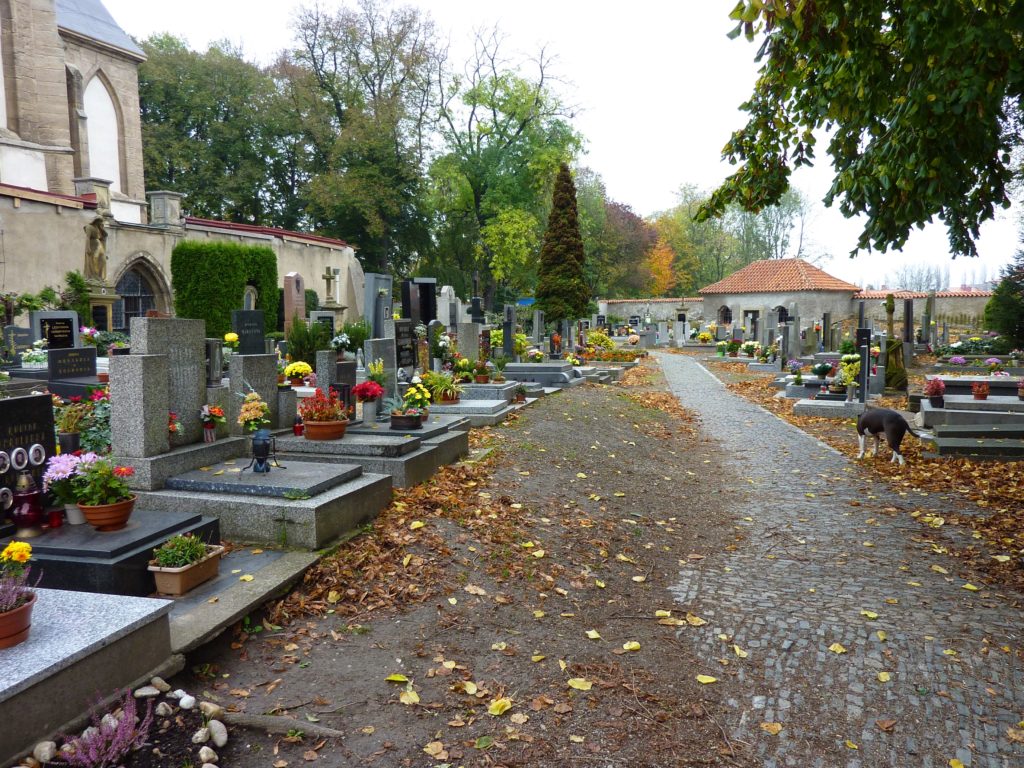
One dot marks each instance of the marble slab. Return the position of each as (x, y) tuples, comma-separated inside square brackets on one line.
[(307, 479)]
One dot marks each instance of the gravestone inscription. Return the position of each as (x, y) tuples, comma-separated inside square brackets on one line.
[(248, 324), (405, 344), (16, 340), (59, 329), (71, 363), (25, 422)]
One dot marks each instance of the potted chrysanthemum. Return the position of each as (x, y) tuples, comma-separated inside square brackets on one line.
[(17, 598), (323, 415), (183, 562), (102, 492)]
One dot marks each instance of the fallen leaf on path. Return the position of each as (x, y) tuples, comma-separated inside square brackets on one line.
[(409, 697), (739, 652), (939, 569), (436, 749), (415, 525), (593, 634), (519, 718), (954, 763), (851, 745), (837, 648), (881, 635), (772, 728), (632, 645), (473, 589), (971, 588), (396, 678), (885, 725), (576, 739), (662, 614), (883, 677), (580, 683), (499, 707), (869, 615), (706, 679), (695, 621)]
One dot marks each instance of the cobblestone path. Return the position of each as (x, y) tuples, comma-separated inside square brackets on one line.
[(813, 570)]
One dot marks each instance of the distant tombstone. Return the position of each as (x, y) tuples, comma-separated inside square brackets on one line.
[(469, 340), (16, 340), (538, 326), (294, 299), (248, 324), (507, 328), (384, 350), (410, 301), (476, 310), (59, 329), (377, 302), (325, 319), (71, 363), (634, 320), (485, 344), (602, 321), (405, 344), (25, 422), (680, 317)]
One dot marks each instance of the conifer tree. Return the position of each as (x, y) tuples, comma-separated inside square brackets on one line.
[(561, 285)]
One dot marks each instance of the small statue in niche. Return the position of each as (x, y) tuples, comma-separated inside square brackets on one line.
[(96, 251)]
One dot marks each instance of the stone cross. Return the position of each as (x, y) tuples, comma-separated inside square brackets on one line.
[(328, 277)]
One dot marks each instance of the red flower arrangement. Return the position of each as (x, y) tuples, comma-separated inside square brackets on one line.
[(367, 390), (323, 406), (172, 422)]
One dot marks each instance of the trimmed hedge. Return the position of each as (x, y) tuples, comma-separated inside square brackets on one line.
[(209, 279)]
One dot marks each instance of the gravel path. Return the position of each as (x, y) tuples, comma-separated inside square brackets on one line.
[(821, 557)]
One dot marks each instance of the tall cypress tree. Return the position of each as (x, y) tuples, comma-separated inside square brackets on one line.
[(561, 286)]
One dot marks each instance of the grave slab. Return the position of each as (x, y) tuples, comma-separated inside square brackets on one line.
[(80, 557), (404, 471), (306, 479), (437, 424), (828, 409), (80, 643), (359, 444)]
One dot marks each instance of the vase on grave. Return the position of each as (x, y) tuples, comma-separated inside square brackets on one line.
[(73, 514), (370, 411), (15, 624), (69, 441), (209, 433), (851, 392), (109, 517), (937, 401), (436, 364)]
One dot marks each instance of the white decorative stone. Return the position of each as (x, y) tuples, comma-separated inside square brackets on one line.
[(201, 736), (109, 721), (211, 710), (44, 751), (208, 765), (163, 709), (207, 755), (177, 694), (218, 732), (187, 702), (147, 692), (160, 684)]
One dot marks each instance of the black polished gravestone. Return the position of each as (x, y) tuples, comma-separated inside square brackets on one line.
[(16, 340), (72, 372), (26, 442), (248, 324), (59, 332), (405, 344)]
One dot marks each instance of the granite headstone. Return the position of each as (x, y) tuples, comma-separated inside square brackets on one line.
[(248, 324), (58, 328), (71, 363), (405, 344)]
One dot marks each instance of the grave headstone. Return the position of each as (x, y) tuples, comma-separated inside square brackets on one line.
[(59, 328), (469, 340), (252, 373), (662, 332), (16, 340), (183, 342), (680, 332), (538, 326), (410, 301), (602, 320), (863, 341), (294, 299), (25, 422), (326, 369), (826, 331), (71, 363), (507, 327), (248, 324), (377, 302), (323, 318), (476, 310), (435, 328), (634, 321), (384, 349), (405, 344), (139, 402)]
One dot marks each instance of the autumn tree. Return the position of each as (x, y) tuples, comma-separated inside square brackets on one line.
[(659, 263), (561, 285), (921, 99)]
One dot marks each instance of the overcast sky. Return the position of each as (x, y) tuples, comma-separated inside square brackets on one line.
[(657, 84)]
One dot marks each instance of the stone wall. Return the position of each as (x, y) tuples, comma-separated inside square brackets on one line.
[(660, 310), (810, 305), (954, 310)]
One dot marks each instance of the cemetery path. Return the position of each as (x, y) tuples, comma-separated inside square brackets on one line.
[(870, 645)]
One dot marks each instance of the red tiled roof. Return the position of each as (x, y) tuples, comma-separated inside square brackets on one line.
[(959, 293), (779, 276), (45, 196), (255, 229), (649, 301)]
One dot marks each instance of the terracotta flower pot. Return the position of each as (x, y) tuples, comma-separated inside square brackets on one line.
[(103, 378), (980, 397), (325, 430), (450, 400), (424, 416), (14, 625), (109, 517), (734, 354), (937, 401), (297, 381), (481, 379), (178, 581)]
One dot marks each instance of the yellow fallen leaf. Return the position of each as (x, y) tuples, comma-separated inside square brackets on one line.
[(499, 707), (453, 600), (333, 596), (624, 558), (538, 657), (406, 560), (519, 718), (772, 728), (939, 569), (256, 551), (593, 634), (580, 683), (639, 579), (851, 745), (409, 697), (499, 646), (632, 645), (914, 583), (397, 678), (538, 553), (218, 472), (436, 749), (246, 577), (581, 475), (538, 614), (1001, 558), (469, 687), (600, 584), (561, 664), (809, 495), (416, 525), (662, 614), (949, 652), (205, 469), (449, 665), (620, 494), (739, 652), (883, 677), (837, 648), (576, 739), (881, 635), (527, 545), (970, 587), (473, 589), (869, 544), (954, 763), (695, 621), (706, 679), (369, 730), (869, 614)]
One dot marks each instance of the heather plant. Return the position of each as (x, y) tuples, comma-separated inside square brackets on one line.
[(109, 741), (15, 590)]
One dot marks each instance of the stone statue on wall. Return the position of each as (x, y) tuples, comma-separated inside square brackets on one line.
[(96, 251)]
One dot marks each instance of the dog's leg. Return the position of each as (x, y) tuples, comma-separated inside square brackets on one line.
[(898, 457), (878, 443), (861, 440)]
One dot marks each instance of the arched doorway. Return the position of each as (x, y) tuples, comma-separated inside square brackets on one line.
[(724, 315)]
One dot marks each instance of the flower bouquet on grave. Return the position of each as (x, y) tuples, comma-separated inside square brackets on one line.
[(368, 393), (340, 343), (463, 370), (535, 356), (102, 492), (297, 372), (821, 370), (89, 335), (403, 415), (254, 413), (796, 367), (417, 397), (375, 371), (324, 415), (36, 356), (934, 389), (211, 416), (980, 390), (17, 597)]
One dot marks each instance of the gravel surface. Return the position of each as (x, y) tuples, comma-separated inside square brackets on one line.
[(828, 561)]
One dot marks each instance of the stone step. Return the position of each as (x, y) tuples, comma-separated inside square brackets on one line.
[(404, 470), (152, 472), (992, 403), (307, 479), (81, 558), (1000, 431), (982, 448), (934, 417), (828, 409), (451, 447), (495, 391), (471, 408), (207, 610), (79, 643), (308, 523), (437, 424), (381, 443)]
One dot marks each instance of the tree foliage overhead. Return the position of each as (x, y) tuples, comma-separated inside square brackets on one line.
[(922, 99), (562, 291)]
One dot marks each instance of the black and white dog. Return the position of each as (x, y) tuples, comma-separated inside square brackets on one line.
[(878, 420)]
